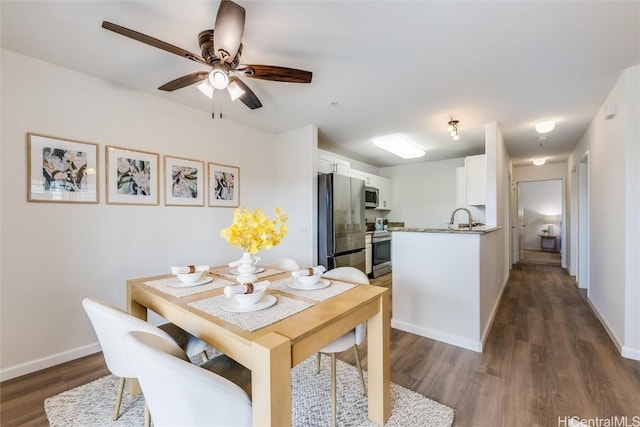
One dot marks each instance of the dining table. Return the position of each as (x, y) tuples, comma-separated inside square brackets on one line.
[(274, 339)]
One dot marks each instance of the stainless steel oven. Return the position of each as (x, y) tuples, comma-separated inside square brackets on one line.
[(381, 253)]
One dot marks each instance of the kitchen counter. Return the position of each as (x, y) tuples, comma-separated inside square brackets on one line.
[(475, 230), (447, 283)]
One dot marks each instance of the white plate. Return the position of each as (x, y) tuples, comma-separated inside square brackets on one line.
[(179, 284), (322, 283), (234, 271), (230, 304)]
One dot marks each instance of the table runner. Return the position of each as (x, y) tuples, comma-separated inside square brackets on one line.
[(224, 272), (334, 289), (163, 286), (252, 320)]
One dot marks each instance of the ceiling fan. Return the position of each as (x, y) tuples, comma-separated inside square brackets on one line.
[(222, 54)]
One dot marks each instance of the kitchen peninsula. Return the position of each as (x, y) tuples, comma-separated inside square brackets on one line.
[(446, 283)]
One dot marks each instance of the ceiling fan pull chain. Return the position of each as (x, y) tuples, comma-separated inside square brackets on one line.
[(213, 104)]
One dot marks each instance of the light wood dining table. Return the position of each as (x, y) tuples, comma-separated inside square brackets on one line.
[(272, 351)]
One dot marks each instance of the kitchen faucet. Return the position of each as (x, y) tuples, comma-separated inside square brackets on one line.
[(468, 213)]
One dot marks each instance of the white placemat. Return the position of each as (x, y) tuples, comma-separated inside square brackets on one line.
[(252, 320), (334, 289), (163, 285), (224, 272)]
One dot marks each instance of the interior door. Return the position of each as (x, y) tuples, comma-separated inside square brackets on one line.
[(520, 224)]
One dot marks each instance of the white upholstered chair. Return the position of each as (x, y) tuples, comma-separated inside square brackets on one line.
[(284, 264), (111, 324), (182, 394), (351, 339)]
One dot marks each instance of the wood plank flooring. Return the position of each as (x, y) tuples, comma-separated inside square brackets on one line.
[(547, 356)]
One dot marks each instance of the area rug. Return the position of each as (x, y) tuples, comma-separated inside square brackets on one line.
[(92, 404)]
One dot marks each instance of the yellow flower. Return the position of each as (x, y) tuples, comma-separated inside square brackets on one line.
[(253, 231)]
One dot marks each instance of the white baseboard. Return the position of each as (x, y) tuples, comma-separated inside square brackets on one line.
[(630, 353), (605, 325), (438, 335), (47, 362), (487, 328)]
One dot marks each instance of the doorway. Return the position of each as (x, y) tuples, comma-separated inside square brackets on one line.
[(540, 230), (583, 224)]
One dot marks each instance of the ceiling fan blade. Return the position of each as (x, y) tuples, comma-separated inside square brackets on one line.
[(248, 98), (228, 30), (185, 81), (152, 42), (274, 73)]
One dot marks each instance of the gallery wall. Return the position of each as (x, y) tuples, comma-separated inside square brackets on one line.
[(55, 254)]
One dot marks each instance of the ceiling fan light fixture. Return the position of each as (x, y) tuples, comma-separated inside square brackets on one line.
[(235, 91), (545, 126), (539, 162), (399, 145), (206, 88), (218, 77)]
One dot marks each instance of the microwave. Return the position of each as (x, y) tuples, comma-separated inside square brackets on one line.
[(370, 197)]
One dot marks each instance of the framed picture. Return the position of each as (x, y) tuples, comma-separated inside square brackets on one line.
[(132, 177), (61, 170), (224, 185), (183, 182)]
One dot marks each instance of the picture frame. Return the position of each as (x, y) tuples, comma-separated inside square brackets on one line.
[(224, 185), (62, 170), (133, 177), (184, 182)]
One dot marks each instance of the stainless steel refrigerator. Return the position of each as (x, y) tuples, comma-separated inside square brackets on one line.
[(341, 222)]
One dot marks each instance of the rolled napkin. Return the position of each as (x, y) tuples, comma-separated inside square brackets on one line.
[(189, 269), (311, 271), (246, 288)]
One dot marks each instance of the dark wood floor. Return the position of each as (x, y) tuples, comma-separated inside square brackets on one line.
[(546, 357)]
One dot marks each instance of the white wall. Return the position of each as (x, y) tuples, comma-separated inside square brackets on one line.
[(424, 194), (499, 173), (614, 203), (55, 254), (541, 200), (298, 194)]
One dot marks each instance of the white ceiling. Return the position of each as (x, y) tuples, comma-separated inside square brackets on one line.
[(391, 66)]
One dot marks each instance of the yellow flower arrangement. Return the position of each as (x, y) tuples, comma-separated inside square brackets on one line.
[(253, 231)]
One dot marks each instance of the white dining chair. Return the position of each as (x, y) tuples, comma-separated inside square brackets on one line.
[(284, 264), (351, 339), (111, 324), (180, 393)]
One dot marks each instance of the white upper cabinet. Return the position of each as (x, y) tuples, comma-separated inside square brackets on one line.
[(384, 192), (366, 177), (476, 178), (330, 164)]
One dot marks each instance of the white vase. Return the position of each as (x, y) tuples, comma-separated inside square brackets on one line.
[(247, 268)]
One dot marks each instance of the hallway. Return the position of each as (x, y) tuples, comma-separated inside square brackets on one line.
[(547, 356)]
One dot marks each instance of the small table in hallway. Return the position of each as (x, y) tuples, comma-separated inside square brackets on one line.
[(548, 243)]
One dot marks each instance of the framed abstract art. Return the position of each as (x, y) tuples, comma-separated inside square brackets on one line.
[(62, 170), (224, 185), (184, 183), (132, 177)]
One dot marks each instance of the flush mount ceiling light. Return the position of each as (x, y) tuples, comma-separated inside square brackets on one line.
[(453, 129), (399, 145), (545, 126), (539, 162)]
